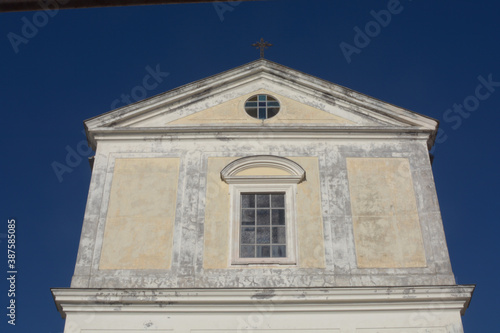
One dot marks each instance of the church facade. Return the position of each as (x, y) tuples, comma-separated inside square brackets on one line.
[(262, 199)]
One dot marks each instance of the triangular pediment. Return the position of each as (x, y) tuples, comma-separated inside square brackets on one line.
[(218, 102)]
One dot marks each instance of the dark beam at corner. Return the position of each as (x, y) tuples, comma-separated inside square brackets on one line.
[(27, 5)]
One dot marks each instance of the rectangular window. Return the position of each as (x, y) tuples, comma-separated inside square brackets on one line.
[(263, 228), (263, 224)]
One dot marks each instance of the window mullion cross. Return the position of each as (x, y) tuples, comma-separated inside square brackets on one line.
[(265, 235)]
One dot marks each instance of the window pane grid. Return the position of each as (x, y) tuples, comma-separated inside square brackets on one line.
[(262, 106), (262, 229)]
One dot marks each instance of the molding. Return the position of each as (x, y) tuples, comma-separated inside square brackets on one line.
[(288, 132), (290, 189), (402, 298), (263, 179), (229, 173)]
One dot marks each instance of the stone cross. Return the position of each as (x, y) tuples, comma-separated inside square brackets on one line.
[(262, 45)]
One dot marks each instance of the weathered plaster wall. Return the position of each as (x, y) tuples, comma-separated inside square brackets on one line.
[(268, 317), (141, 214), (384, 212), (192, 204)]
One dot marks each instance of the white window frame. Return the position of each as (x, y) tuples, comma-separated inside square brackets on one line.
[(263, 184)]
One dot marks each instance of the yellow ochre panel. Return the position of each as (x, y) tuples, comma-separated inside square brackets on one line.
[(385, 219), (141, 214), (309, 218), (232, 112), (217, 222)]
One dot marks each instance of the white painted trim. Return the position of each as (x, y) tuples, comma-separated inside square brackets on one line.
[(235, 191), (229, 173), (263, 179), (238, 132), (455, 297)]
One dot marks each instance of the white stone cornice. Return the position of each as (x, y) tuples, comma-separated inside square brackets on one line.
[(312, 128), (293, 132), (283, 300)]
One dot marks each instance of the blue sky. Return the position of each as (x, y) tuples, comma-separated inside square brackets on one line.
[(63, 67)]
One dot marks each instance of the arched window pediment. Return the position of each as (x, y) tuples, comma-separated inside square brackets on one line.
[(267, 169)]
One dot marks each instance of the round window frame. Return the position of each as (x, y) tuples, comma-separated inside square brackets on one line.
[(275, 108)]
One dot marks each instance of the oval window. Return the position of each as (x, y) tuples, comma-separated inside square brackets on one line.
[(262, 106)]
